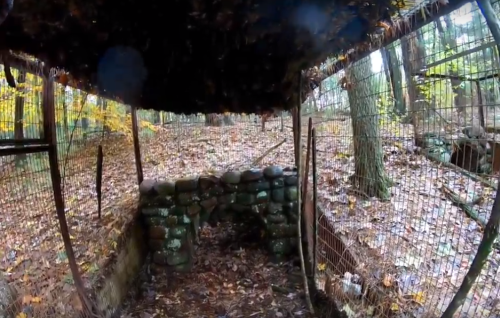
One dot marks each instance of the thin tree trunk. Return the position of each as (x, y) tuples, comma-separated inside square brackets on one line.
[(396, 80), (19, 115), (448, 43), (65, 113), (370, 177)]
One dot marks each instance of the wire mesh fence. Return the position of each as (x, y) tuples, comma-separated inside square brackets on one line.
[(34, 261), (179, 145), (406, 166)]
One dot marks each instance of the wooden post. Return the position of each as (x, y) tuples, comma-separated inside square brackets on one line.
[(50, 136), (137, 149), (481, 105), (315, 202)]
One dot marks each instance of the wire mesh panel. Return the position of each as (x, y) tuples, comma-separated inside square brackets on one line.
[(178, 145), (407, 161), (35, 277)]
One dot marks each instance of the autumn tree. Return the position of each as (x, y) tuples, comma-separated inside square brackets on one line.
[(369, 176), (394, 77)]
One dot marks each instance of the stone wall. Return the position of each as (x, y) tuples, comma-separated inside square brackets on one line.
[(175, 211)]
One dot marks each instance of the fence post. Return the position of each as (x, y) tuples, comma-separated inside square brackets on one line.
[(50, 136), (315, 202), (137, 149)]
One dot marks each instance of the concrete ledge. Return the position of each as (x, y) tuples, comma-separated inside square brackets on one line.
[(121, 272)]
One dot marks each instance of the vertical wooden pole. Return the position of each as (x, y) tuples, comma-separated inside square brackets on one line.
[(50, 136), (315, 202), (481, 104), (298, 152), (137, 149)]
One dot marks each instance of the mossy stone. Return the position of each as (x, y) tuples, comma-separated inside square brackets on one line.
[(251, 175), (187, 198), (193, 210), (164, 188), (291, 193), (278, 195), (187, 184), (231, 177), (273, 208), (155, 221), (277, 183), (227, 198), (257, 186), (147, 187), (273, 172), (291, 181), (262, 197), (245, 198)]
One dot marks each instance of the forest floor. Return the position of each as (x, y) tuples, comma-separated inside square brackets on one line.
[(231, 277), (418, 241)]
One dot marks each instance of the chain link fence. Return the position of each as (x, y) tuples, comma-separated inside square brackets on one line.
[(407, 164)]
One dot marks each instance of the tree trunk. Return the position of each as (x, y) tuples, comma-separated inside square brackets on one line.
[(65, 114), (396, 79), (369, 176), (104, 106), (449, 43), (414, 62), (38, 106), (85, 119), (19, 115)]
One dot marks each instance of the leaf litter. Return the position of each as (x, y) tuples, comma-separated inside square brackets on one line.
[(231, 278), (419, 239)]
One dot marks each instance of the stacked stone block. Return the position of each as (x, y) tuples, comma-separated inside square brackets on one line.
[(175, 211)]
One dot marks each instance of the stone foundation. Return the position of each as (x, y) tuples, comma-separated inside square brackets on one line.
[(175, 211)]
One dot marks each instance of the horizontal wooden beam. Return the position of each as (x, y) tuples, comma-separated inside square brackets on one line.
[(11, 151), (23, 142)]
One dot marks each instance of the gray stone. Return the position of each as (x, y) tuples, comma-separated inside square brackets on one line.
[(245, 198), (277, 183), (278, 195), (187, 184), (257, 186), (165, 188), (273, 172), (251, 175), (291, 193), (231, 177), (147, 187), (291, 181), (227, 198)]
